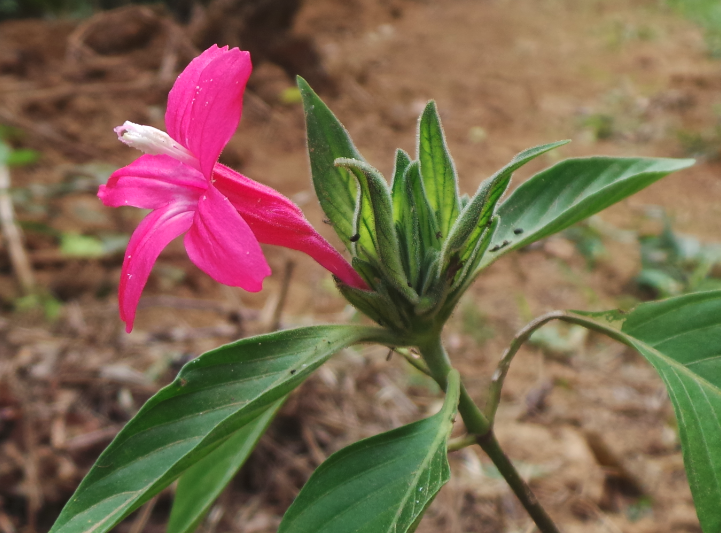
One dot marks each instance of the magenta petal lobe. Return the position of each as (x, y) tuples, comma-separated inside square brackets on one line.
[(206, 102), (222, 245), (181, 95), (148, 240), (153, 181)]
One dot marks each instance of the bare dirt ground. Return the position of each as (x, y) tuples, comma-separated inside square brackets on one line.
[(589, 422)]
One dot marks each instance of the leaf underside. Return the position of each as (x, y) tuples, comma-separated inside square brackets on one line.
[(681, 338), (212, 398), (381, 484), (203, 482), (568, 192)]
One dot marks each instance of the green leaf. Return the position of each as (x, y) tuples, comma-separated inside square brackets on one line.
[(21, 157), (213, 396), (681, 338), (203, 482), (327, 141), (476, 216), (376, 305), (570, 191), (75, 245), (437, 169), (430, 235), (398, 183), (375, 226), (368, 272), (466, 276), (406, 219), (381, 484)]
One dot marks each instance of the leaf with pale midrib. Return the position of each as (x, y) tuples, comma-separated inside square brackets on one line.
[(681, 338), (213, 396), (381, 484), (570, 191), (203, 482)]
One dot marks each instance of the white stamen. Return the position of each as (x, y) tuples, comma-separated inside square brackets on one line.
[(154, 142)]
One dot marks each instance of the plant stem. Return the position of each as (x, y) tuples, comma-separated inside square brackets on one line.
[(461, 442), (499, 376), (494, 392), (520, 488), (439, 365), (478, 425)]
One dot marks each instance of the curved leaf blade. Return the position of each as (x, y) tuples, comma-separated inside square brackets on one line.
[(328, 140), (212, 397), (406, 219), (381, 484), (437, 169), (476, 215), (430, 234), (203, 482), (375, 225), (570, 191), (681, 338)]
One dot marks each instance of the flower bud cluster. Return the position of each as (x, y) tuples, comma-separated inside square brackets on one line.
[(417, 243)]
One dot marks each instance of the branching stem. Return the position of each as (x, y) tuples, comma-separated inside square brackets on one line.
[(461, 442), (499, 376), (480, 428)]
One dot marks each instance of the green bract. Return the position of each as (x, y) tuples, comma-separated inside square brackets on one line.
[(416, 244)]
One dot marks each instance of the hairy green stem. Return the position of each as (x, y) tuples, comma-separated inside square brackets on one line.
[(520, 488), (439, 365), (499, 376), (479, 426)]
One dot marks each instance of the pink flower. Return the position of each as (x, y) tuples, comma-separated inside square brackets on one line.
[(223, 214)]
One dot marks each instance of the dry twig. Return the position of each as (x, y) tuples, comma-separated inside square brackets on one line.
[(13, 237), (283, 297)]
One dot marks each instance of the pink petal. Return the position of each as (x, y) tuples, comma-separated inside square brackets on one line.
[(148, 240), (181, 95), (205, 104), (222, 245), (153, 181), (276, 220)]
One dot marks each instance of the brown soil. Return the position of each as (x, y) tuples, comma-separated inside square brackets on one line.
[(591, 427)]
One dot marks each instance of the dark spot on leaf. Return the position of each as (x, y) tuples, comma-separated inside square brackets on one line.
[(354, 238), (327, 221), (409, 284), (454, 265), (438, 235), (505, 243), (293, 371), (390, 354), (496, 248), (183, 382), (518, 231)]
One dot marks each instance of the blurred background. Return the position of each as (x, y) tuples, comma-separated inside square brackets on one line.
[(586, 420)]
